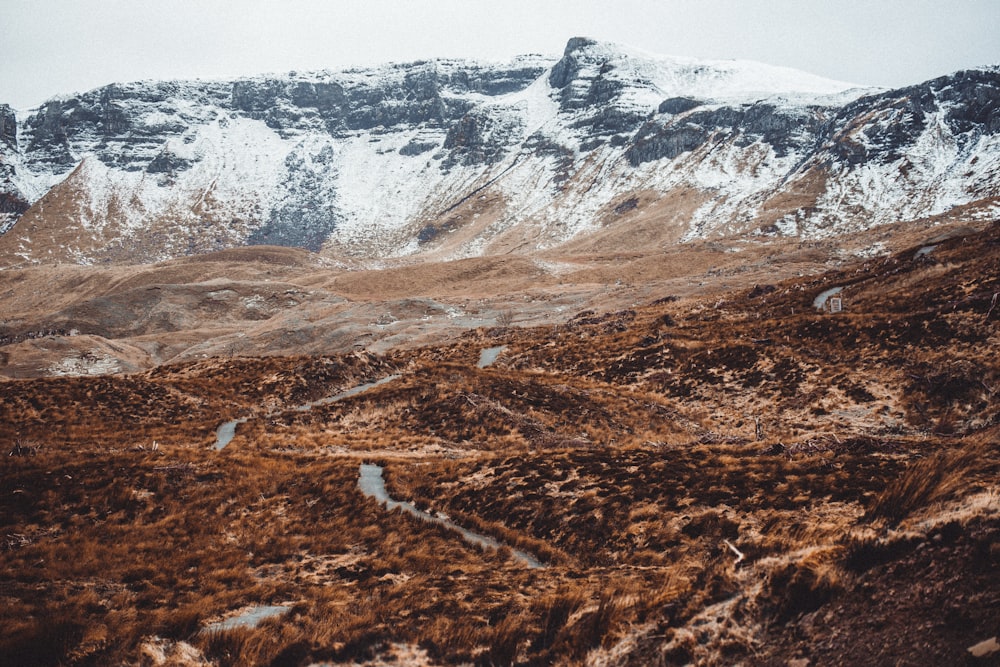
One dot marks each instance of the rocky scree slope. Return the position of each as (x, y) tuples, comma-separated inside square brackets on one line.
[(459, 158)]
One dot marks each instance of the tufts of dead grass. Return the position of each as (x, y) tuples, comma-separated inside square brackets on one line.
[(927, 481)]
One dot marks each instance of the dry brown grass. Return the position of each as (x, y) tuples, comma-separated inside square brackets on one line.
[(930, 480), (622, 448)]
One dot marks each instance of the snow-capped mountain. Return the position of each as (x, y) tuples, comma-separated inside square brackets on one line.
[(454, 158)]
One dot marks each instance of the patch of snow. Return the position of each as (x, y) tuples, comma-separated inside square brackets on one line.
[(876, 249), (90, 363), (254, 302), (721, 80), (238, 172)]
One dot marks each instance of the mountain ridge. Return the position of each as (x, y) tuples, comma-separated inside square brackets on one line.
[(450, 158)]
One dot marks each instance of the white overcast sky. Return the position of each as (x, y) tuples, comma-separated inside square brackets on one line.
[(54, 47)]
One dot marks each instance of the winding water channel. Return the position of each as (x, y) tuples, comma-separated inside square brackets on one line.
[(227, 431), (820, 301), (353, 391), (372, 484)]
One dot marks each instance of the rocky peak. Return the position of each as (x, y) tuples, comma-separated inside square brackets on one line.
[(584, 75), (568, 67)]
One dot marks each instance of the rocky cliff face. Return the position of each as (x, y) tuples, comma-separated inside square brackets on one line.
[(463, 158), (13, 203)]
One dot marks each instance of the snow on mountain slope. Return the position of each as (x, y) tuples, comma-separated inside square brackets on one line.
[(459, 158), (651, 78)]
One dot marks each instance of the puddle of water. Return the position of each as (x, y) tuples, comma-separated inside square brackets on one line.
[(372, 484), (226, 432), (248, 619), (488, 356), (820, 300)]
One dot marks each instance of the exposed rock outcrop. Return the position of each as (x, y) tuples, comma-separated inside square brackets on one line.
[(363, 160)]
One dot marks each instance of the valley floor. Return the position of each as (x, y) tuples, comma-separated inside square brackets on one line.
[(726, 478)]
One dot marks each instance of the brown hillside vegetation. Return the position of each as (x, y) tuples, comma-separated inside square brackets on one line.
[(734, 477), (59, 319)]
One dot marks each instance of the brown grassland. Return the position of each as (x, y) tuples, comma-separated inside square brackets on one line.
[(740, 479)]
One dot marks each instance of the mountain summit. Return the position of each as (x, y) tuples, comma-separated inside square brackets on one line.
[(605, 147)]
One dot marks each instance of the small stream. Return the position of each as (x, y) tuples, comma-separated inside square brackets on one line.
[(227, 431), (820, 301), (353, 391), (372, 484)]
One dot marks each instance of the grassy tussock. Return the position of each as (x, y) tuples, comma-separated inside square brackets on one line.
[(927, 481)]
